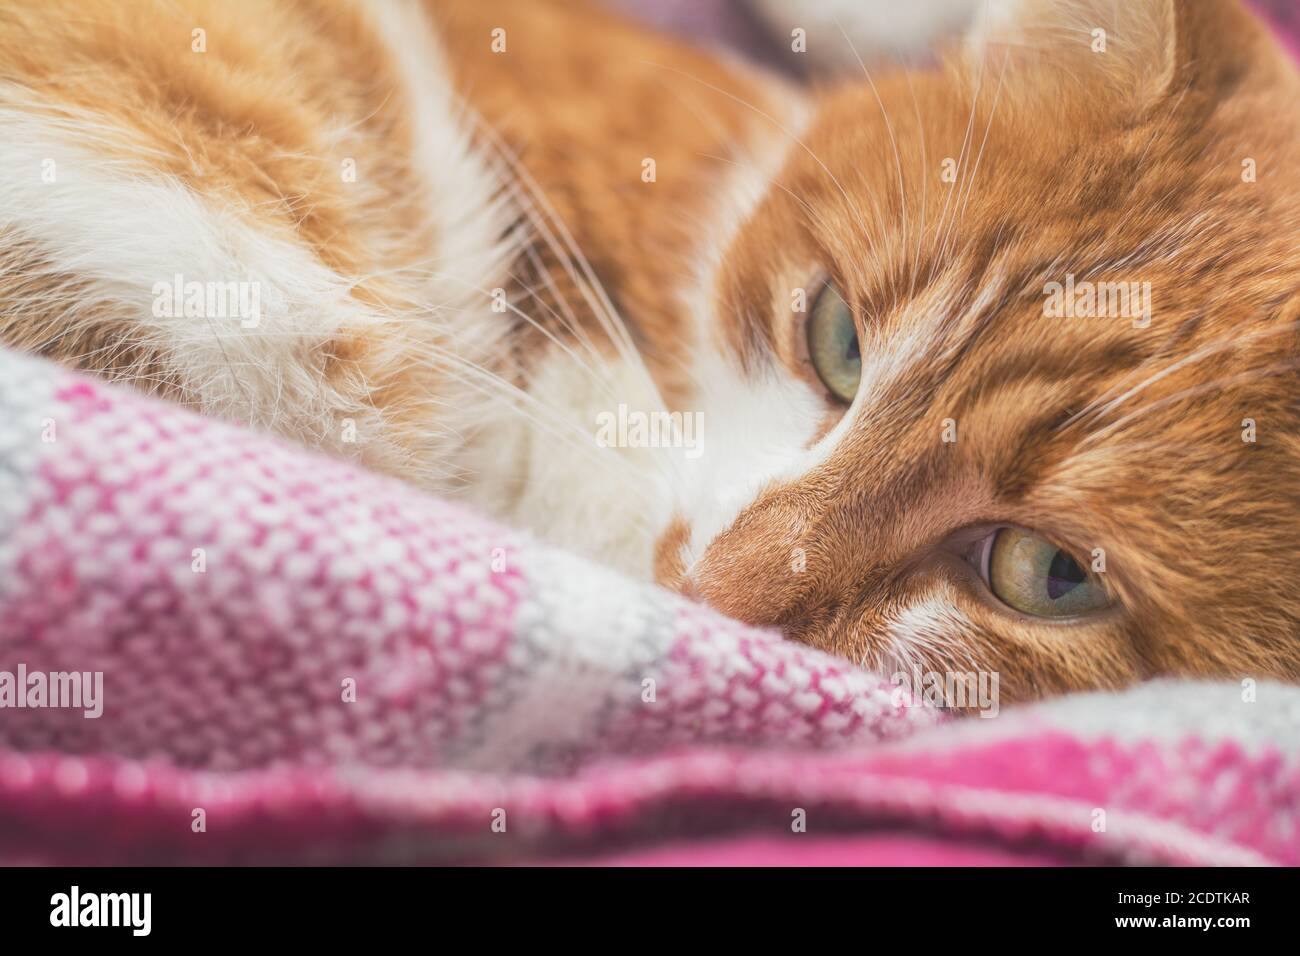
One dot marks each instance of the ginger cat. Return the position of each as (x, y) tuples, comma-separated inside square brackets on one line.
[(984, 365)]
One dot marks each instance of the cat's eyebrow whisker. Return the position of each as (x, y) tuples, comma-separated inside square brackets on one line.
[(988, 128), (1099, 407), (710, 119), (889, 127), (924, 177), (1278, 368), (944, 225)]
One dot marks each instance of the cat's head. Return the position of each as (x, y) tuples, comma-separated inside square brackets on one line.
[(1003, 367)]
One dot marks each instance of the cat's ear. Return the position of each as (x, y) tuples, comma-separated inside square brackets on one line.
[(1139, 51)]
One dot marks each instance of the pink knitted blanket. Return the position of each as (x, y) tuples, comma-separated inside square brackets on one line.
[(216, 647)]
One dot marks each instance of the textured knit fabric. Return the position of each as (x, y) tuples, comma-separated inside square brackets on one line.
[(305, 662)]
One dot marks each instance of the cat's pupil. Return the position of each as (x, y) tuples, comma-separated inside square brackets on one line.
[(853, 353), (1063, 575)]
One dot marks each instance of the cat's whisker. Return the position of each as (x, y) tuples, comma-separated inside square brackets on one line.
[(1278, 368), (924, 179), (414, 269), (569, 254), (1099, 407), (569, 321), (603, 380), (711, 120), (988, 128), (889, 127), (527, 406), (943, 226)]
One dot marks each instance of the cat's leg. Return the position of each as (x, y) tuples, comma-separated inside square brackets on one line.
[(289, 241), (108, 265)]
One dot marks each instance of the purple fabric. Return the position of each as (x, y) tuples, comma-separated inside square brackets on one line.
[(1284, 15), (707, 22), (730, 23)]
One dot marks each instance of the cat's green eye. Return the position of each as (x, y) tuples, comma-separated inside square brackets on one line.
[(833, 344), (1034, 576)]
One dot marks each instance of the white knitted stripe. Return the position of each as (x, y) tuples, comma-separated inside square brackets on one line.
[(1163, 711), (28, 415), (590, 634)]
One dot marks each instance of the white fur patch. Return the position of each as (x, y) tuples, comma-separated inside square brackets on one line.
[(922, 634), (132, 235), (464, 194), (536, 464), (118, 239), (758, 433), (757, 426)]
